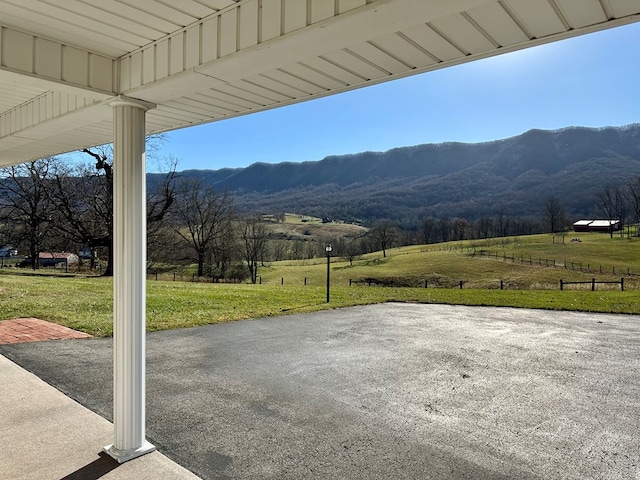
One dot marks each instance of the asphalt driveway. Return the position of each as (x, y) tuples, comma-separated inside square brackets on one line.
[(385, 391)]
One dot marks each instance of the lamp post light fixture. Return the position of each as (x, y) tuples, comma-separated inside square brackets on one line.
[(328, 250)]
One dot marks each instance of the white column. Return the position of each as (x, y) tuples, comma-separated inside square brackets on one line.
[(129, 280)]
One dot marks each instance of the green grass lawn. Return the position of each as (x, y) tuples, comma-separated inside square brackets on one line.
[(85, 303), (593, 249), (445, 265)]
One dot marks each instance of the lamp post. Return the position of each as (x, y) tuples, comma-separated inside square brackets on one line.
[(328, 250)]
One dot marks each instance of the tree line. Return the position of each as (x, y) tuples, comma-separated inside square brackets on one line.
[(57, 205)]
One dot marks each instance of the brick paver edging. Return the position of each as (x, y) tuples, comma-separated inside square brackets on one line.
[(22, 330)]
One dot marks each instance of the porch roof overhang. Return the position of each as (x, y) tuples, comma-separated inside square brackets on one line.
[(201, 61)]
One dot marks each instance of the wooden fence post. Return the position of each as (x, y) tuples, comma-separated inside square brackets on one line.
[(501, 285), (460, 284), (593, 284), (560, 284), (622, 284)]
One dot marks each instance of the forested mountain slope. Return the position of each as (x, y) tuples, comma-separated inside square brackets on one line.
[(513, 176)]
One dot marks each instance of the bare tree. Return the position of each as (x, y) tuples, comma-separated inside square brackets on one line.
[(83, 196), (202, 219), (353, 250), (384, 234), (310, 249), (459, 227), (554, 215), (611, 204), (278, 249), (633, 198), (484, 226), (428, 230), (160, 198), (253, 233), (502, 224), (24, 203), (444, 225)]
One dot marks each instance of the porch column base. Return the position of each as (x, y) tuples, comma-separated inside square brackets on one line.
[(122, 456)]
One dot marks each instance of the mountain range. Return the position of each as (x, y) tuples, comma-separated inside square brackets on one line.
[(512, 176)]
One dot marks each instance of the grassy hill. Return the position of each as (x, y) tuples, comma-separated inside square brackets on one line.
[(527, 262), (303, 226)]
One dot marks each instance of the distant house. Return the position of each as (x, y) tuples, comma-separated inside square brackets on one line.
[(53, 259), (605, 226)]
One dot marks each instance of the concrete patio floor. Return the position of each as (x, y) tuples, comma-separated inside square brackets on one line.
[(383, 391), (47, 435)]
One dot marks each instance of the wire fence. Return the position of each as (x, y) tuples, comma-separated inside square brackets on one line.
[(554, 263), (448, 283), (177, 276)]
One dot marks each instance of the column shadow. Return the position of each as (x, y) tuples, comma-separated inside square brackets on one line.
[(94, 470)]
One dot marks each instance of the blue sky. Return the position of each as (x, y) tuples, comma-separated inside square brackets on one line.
[(592, 80)]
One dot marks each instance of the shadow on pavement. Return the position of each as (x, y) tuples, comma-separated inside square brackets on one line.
[(94, 470)]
